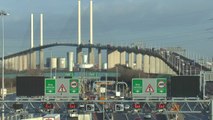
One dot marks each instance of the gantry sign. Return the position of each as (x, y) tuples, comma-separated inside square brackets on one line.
[(62, 87), (149, 88)]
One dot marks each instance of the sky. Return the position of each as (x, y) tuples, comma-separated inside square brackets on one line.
[(150, 23)]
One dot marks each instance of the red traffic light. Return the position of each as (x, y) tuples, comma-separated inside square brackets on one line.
[(137, 106), (161, 106), (48, 105), (71, 106)]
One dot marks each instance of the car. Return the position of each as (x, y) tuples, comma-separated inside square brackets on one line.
[(147, 116), (126, 107), (121, 97), (81, 105), (112, 97)]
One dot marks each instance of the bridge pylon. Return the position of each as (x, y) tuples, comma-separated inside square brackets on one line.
[(33, 54), (41, 52), (91, 56), (91, 50), (79, 55)]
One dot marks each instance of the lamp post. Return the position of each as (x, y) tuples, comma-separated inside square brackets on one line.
[(2, 14)]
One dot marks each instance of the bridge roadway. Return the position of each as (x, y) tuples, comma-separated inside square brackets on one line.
[(152, 52), (192, 62), (97, 46)]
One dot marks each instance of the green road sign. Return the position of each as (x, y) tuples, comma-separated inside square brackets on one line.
[(50, 86), (137, 86), (92, 74), (161, 85), (69, 74), (74, 86)]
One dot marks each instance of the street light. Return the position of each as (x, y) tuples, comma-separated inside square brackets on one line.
[(2, 14)]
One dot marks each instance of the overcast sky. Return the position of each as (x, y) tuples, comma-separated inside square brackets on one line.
[(154, 23)]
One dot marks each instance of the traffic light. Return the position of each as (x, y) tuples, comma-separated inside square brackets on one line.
[(71, 106), (119, 107), (137, 106), (48, 105), (161, 105), (90, 107)]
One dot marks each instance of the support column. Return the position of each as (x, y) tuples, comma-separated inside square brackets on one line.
[(33, 60), (139, 61), (41, 60), (131, 60), (91, 56), (13, 63), (117, 57), (165, 68), (20, 65), (28, 61), (10, 61), (16, 63), (161, 66), (170, 71), (79, 55), (152, 64), (157, 65), (6, 64), (25, 62), (99, 59), (70, 61), (113, 58), (110, 58), (123, 58), (146, 64)]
